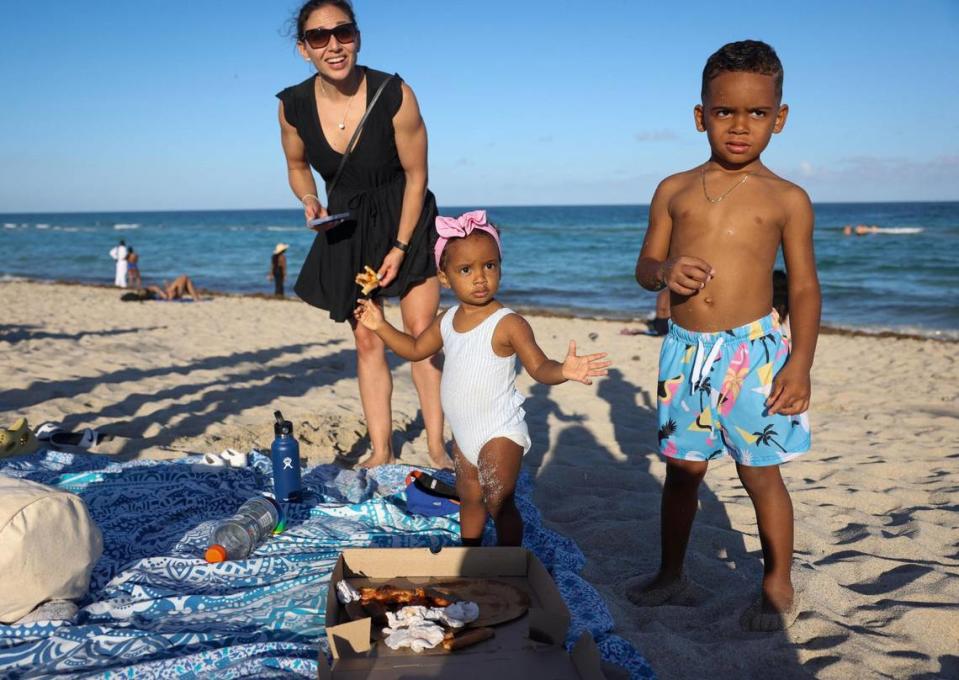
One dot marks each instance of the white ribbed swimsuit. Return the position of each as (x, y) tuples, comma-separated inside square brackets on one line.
[(478, 389)]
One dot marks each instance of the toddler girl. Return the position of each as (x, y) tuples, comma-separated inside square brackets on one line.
[(481, 340)]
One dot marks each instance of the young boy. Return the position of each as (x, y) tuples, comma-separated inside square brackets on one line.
[(728, 380)]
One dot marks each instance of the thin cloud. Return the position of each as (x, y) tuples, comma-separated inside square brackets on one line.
[(655, 136), (870, 178)]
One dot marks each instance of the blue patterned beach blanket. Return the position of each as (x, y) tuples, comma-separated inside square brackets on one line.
[(156, 609)]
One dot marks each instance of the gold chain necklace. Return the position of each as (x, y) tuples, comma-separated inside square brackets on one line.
[(725, 193)]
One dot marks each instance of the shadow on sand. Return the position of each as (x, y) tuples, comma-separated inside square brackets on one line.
[(618, 494)]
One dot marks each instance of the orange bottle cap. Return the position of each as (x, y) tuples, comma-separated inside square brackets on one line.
[(215, 553)]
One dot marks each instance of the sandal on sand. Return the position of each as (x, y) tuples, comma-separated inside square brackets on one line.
[(641, 596), (18, 440), (57, 436), (226, 458), (44, 431), (86, 439), (755, 620)]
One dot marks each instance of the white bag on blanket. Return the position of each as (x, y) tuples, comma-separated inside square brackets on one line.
[(48, 546)]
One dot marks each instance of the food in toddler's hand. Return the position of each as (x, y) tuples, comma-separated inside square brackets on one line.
[(367, 280)]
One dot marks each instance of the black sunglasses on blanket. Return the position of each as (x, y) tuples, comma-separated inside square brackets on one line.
[(318, 38)]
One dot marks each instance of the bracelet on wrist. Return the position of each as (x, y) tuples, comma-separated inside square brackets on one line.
[(306, 196), (399, 245)]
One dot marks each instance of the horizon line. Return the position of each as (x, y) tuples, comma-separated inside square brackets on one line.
[(452, 205)]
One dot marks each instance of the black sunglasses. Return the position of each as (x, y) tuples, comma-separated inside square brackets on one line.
[(320, 37)]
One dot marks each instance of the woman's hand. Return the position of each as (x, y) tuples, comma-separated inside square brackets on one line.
[(368, 314), (313, 209), (582, 368), (390, 267)]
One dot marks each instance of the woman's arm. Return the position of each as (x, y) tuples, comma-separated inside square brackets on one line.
[(411, 145), (298, 169)]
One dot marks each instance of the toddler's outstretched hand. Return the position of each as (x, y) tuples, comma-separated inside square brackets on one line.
[(581, 369), (369, 314)]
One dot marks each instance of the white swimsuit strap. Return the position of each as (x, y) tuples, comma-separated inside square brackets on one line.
[(488, 324)]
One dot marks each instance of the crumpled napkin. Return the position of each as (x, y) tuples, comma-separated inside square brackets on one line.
[(346, 593), (419, 627), (461, 613), (417, 638)]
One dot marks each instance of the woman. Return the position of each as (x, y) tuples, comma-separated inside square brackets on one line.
[(278, 268), (383, 187)]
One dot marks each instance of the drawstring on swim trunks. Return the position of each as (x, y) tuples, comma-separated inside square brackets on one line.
[(703, 362)]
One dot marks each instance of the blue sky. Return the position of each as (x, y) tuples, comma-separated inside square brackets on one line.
[(158, 106)]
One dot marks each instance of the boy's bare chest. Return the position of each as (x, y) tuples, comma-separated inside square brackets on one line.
[(745, 220)]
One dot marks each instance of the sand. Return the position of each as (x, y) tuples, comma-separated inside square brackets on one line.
[(876, 501)]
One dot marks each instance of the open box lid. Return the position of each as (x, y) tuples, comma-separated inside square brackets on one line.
[(530, 646)]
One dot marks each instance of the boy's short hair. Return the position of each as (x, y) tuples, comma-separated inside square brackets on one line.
[(745, 56)]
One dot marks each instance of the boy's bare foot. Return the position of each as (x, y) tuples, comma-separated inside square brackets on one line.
[(657, 590), (772, 611)]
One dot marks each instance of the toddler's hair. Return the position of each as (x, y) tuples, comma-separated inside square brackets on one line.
[(745, 56)]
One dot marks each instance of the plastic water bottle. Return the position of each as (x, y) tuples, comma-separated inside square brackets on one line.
[(285, 454), (235, 538)]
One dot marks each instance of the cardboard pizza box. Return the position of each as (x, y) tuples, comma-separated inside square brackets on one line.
[(529, 646)]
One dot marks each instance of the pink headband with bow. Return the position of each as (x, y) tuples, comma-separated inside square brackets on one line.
[(461, 227)]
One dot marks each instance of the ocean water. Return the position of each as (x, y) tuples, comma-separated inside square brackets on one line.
[(568, 259)]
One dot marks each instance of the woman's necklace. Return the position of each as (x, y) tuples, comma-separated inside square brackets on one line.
[(725, 193), (342, 124)]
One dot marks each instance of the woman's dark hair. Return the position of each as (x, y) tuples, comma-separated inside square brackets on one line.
[(745, 56), (311, 5)]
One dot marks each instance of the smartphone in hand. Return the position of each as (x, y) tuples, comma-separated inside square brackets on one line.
[(328, 222)]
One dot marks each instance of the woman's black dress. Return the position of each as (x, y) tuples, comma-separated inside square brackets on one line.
[(371, 189)]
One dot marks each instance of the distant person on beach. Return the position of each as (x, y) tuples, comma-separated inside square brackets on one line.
[(278, 268), (119, 253), (781, 300), (481, 339), (860, 230), (382, 185), (133, 269), (177, 289), (660, 324), (729, 383)]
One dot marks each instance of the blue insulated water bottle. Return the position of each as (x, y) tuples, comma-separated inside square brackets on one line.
[(285, 453)]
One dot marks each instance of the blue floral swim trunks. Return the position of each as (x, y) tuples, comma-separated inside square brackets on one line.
[(712, 393)]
